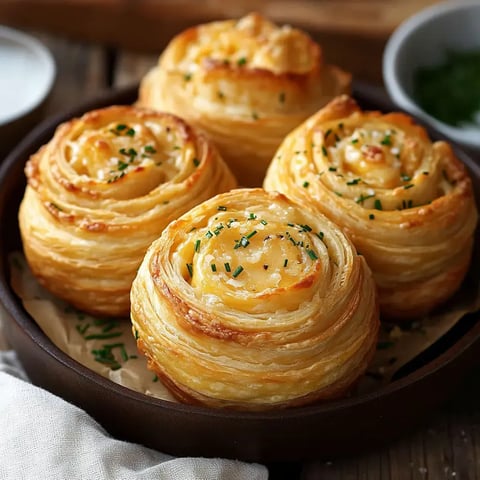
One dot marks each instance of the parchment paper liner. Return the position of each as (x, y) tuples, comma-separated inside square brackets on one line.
[(69, 330)]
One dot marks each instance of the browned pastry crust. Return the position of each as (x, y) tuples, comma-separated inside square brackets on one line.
[(246, 83), (102, 190), (406, 203), (248, 302)]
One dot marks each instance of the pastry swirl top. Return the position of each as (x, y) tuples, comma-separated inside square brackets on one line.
[(102, 190), (249, 302), (406, 202), (247, 83)]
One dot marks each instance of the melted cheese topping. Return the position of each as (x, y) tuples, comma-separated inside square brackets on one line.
[(102, 190), (246, 84), (405, 201), (260, 257), (237, 256), (251, 42), (251, 302)]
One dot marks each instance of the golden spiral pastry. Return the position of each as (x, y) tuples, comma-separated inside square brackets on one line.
[(246, 83), (249, 302), (405, 202), (102, 190)]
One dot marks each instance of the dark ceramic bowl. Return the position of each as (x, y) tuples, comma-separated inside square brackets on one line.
[(319, 431)]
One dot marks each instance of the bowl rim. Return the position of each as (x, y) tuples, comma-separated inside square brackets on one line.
[(35, 46), (397, 91), (27, 324)]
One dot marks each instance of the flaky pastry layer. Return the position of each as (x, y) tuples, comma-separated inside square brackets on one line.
[(246, 83), (102, 190), (250, 302), (405, 202)]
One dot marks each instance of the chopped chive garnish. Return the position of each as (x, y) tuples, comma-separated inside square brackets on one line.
[(197, 246), (237, 271), (362, 198), (122, 165), (81, 329), (251, 234), (386, 140), (218, 229), (425, 173), (312, 254), (338, 194), (378, 204), (263, 222), (327, 133), (355, 181), (222, 208), (227, 267), (241, 61), (406, 187), (123, 352), (252, 216), (137, 336), (320, 235), (371, 216), (285, 263), (209, 234), (324, 150), (243, 242), (155, 378), (101, 321), (405, 178), (121, 127), (187, 77), (110, 361), (196, 162), (190, 269), (130, 132), (306, 228), (332, 169), (306, 184), (149, 149), (213, 267), (355, 140)]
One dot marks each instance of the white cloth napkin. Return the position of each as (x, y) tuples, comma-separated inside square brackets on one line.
[(44, 437)]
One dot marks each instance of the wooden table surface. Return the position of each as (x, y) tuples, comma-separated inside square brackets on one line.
[(446, 447)]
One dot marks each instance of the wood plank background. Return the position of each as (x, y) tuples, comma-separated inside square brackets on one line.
[(352, 33)]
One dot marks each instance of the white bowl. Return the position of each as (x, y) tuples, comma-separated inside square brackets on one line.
[(27, 73), (422, 41)]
